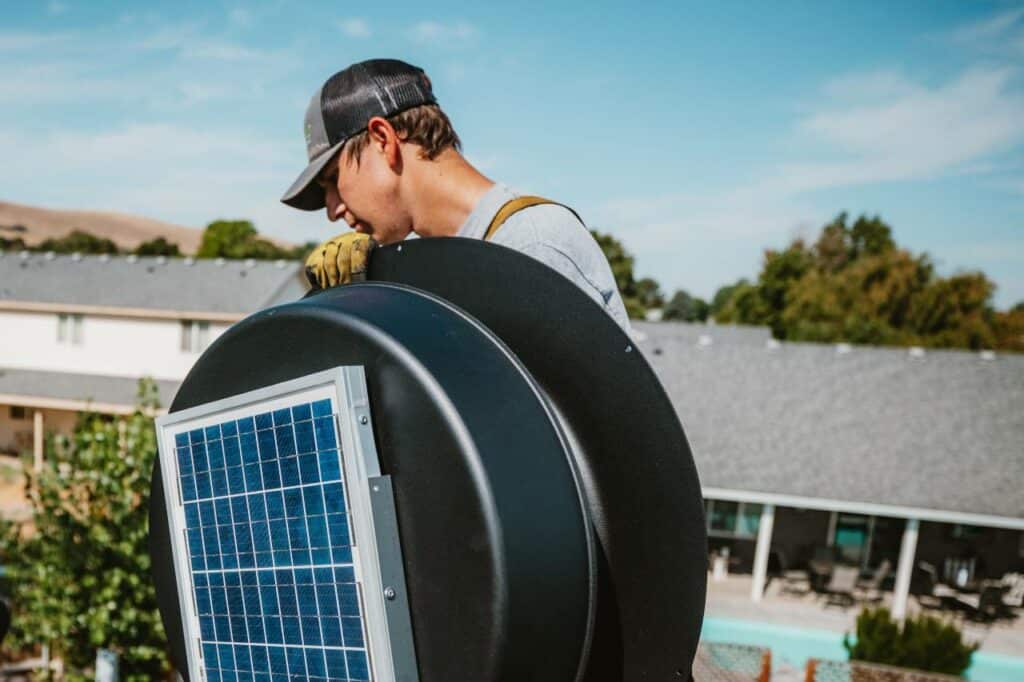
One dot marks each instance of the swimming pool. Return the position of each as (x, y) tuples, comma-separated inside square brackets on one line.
[(793, 646)]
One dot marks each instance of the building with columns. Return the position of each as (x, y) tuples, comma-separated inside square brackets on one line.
[(861, 454)]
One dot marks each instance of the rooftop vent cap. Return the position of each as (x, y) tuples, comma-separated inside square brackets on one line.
[(24, 255), (104, 257), (189, 260), (220, 262), (250, 262), (772, 344), (916, 352), (280, 264), (987, 355), (161, 260), (132, 258), (50, 255), (76, 256), (843, 348), (704, 340)]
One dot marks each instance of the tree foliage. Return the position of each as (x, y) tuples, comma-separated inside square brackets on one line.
[(686, 308), (157, 247), (79, 570), (78, 242), (923, 643), (637, 295), (855, 284), (239, 239)]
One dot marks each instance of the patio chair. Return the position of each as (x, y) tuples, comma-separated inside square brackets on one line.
[(989, 606), (871, 590), (840, 587)]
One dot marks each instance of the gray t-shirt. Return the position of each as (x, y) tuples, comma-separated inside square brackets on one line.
[(554, 236)]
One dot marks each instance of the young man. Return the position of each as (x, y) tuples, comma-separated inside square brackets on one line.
[(384, 158)]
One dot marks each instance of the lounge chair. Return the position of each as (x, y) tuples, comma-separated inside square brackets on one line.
[(987, 607), (841, 585), (871, 590)]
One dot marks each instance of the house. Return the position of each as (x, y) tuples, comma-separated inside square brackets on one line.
[(77, 332), (909, 455)]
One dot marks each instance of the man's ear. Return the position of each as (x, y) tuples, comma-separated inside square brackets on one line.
[(384, 139)]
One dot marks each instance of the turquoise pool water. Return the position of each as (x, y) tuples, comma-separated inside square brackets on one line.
[(793, 646)]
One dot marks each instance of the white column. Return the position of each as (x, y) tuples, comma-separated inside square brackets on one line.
[(764, 544), (37, 440), (904, 570)]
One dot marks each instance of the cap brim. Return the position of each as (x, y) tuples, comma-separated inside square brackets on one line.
[(304, 193)]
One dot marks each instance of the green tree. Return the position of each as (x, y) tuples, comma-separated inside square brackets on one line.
[(648, 291), (157, 247), (682, 306), (724, 294), (78, 242), (237, 239), (855, 284), (637, 296), (923, 643), (79, 570)]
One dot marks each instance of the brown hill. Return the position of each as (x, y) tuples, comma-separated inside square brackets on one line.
[(127, 231)]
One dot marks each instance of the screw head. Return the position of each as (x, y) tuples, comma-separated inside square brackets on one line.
[(364, 420), (389, 593)]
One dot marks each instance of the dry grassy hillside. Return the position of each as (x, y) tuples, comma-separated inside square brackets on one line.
[(127, 231)]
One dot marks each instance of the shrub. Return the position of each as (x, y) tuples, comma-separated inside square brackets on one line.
[(923, 643), (79, 570)]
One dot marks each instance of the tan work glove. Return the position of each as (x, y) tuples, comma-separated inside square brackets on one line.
[(340, 260)]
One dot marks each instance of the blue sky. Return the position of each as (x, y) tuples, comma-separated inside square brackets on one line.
[(699, 134)]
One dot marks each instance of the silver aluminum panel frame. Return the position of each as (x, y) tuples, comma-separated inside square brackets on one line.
[(388, 633)]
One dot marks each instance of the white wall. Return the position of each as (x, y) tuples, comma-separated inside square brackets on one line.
[(112, 346)]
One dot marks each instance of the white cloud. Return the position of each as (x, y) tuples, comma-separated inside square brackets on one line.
[(355, 28), (11, 41), (173, 172), (867, 128), (918, 132), (993, 27), (439, 34)]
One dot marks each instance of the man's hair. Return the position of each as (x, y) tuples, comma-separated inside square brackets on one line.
[(425, 125)]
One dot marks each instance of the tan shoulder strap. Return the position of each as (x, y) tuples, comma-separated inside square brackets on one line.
[(513, 206)]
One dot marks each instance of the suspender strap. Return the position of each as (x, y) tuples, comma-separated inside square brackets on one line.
[(513, 206)]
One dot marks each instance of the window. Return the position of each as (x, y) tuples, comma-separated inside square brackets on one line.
[(69, 329), (18, 412), (733, 519), (195, 336)]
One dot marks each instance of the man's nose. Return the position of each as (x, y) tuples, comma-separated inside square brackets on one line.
[(334, 205)]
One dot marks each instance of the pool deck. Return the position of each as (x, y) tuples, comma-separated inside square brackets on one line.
[(730, 598)]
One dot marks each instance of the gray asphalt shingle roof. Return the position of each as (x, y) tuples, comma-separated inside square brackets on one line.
[(86, 387), (200, 285), (942, 431)]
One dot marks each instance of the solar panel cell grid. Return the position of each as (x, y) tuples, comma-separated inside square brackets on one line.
[(269, 544)]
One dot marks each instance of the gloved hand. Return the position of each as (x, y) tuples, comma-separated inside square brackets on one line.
[(340, 260)]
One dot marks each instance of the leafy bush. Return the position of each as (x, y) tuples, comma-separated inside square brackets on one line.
[(79, 569), (924, 643)]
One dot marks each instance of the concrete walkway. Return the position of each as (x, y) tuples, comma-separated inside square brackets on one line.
[(731, 599)]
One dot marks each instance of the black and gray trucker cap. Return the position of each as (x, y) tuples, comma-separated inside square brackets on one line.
[(343, 106)]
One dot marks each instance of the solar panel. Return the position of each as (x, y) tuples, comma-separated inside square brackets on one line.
[(277, 525)]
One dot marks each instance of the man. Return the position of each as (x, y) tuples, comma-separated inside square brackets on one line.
[(384, 158)]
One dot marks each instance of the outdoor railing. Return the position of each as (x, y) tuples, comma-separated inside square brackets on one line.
[(721, 662), (857, 671)]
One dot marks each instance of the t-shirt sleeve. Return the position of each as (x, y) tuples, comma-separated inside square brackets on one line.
[(553, 235)]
